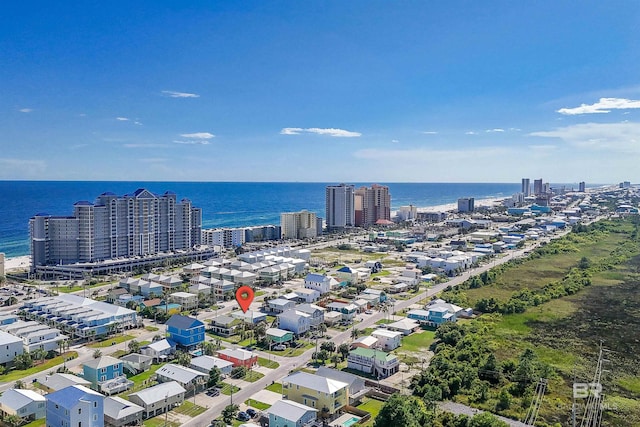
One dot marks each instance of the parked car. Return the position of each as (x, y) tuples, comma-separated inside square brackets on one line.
[(243, 416), (280, 347), (368, 312), (252, 412)]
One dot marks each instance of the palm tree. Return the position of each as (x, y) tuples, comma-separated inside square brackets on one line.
[(97, 353), (322, 328)]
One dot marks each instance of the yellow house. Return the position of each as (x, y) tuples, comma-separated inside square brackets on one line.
[(324, 394)]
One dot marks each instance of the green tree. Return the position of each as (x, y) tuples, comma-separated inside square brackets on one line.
[(134, 346), (239, 372), (19, 384), (13, 420), (335, 359), (97, 353), (486, 419), (504, 400), (329, 346), (405, 411), (182, 358), (23, 361), (229, 413), (208, 348), (344, 350), (214, 377)]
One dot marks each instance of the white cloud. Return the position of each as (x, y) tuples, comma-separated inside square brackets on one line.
[(26, 110), (620, 137), (494, 130), (515, 129), (198, 135), (122, 119), (193, 142), (174, 94), (471, 133), (604, 105), (430, 132), (395, 141), (143, 145), (137, 123), (338, 133)]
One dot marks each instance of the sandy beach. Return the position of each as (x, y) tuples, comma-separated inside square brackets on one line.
[(17, 263)]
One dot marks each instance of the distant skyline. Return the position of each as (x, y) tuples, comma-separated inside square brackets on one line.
[(358, 91)]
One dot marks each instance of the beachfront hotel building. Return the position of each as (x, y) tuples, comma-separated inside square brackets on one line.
[(372, 204), (298, 225), (340, 206), (140, 224)]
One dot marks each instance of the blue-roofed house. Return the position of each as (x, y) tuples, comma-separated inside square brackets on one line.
[(185, 331), (75, 406), (318, 282)]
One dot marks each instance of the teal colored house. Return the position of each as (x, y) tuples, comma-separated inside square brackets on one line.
[(102, 369), (279, 336), (185, 331)]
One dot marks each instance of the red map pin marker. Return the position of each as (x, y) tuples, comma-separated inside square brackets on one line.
[(244, 296)]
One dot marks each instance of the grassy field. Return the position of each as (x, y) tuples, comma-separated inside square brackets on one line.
[(159, 422), (373, 407), (272, 364), (151, 328), (257, 404), (108, 342), (16, 375), (253, 376), (275, 387), (566, 333), (417, 341), (228, 388)]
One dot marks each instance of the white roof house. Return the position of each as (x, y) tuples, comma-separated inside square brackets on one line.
[(288, 412), (206, 363), (315, 382), (159, 392), (59, 381), (120, 412), (10, 347), (180, 374), (23, 403)]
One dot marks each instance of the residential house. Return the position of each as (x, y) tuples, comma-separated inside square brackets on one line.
[(191, 380), (59, 381), (375, 362), (185, 331), (294, 321), (318, 282), (185, 299), (158, 399), (287, 413), (36, 335), (316, 312), (347, 310), (280, 305), (406, 326), (321, 393), (113, 294), (332, 317), (75, 406), (136, 363), (348, 275), (388, 340), (102, 369), (205, 364), (251, 316), (193, 269), (381, 295), (357, 387), (119, 412), (367, 341), (225, 326), (10, 347), (279, 336), (159, 350), (239, 357), (26, 404), (304, 295)]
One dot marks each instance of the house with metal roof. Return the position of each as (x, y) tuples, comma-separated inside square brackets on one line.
[(185, 331), (159, 399), (375, 362), (119, 412), (225, 326), (10, 347), (107, 375), (315, 311), (279, 336), (366, 342), (159, 350), (239, 357), (187, 300), (288, 413), (318, 282), (26, 404), (206, 363), (280, 305), (357, 387), (321, 393), (75, 406), (294, 321), (388, 340), (136, 363), (58, 381), (191, 380)]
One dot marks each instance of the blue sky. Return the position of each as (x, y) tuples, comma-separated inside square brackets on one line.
[(380, 91)]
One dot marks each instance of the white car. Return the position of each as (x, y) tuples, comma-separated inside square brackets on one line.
[(368, 312), (280, 347)]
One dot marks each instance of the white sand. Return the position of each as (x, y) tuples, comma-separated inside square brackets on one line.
[(17, 263)]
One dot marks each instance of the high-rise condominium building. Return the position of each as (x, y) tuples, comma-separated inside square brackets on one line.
[(372, 204), (298, 225), (582, 187), (340, 210), (538, 187), (136, 224), (466, 204), (526, 187)]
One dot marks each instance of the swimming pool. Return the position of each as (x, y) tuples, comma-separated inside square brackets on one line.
[(351, 421)]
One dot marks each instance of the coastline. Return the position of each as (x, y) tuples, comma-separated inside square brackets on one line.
[(24, 261)]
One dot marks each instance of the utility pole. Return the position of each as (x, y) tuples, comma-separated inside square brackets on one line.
[(532, 413)]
